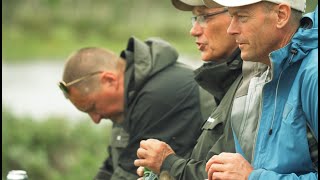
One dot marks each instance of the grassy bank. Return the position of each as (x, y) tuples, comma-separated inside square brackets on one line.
[(19, 45), (53, 148)]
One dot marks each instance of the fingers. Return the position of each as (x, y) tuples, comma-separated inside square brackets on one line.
[(210, 162), (218, 175), (142, 153), (143, 143), (228, 166), (140, 162), (215, 170), (146, 153), (148, 143), (222, 158), (140, 171), (216, 165)]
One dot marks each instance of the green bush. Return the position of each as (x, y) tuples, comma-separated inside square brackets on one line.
[(53, 148)]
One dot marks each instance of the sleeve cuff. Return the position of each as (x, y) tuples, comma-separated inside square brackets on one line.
[(168, 162), (255, 174)]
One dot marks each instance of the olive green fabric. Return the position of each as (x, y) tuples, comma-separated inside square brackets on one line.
[(216, 137), (221, 79), (118, 141)]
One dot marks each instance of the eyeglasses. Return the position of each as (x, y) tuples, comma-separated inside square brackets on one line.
[(64, 86), (202, 18)]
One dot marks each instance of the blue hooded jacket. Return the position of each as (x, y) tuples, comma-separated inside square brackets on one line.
[(289, 105)]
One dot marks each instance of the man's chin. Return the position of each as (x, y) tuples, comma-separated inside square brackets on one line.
[(205, 58)]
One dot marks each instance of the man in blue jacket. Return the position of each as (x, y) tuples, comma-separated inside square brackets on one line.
[(273, 32)]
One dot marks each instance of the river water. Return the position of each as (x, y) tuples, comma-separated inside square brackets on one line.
[(31, 90)]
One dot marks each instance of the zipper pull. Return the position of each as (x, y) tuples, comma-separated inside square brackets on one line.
[(293, 52)]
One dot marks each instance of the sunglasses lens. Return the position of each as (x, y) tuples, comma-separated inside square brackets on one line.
[(64, 89)]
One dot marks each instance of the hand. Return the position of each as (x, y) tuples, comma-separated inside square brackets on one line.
[(140, 172), (152, 153), (228, 166)]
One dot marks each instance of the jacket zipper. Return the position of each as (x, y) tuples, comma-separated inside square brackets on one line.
[(258, 125), (294, 52)]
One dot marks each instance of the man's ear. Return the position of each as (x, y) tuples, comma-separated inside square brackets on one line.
[(284, 13), (109, 78)]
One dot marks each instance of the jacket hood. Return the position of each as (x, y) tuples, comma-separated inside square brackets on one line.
[(145, 59), (303, 41), (306, 38)]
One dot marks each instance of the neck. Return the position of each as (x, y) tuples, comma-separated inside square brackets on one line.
[(287, 38), (284, 39)]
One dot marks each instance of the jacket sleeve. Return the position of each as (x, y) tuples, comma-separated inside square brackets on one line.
[(215, 138), (309, 92), (184, 169), (263, 174), (310, 100)]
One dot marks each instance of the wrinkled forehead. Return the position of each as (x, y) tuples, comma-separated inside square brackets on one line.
[(251, 8), (198, 10)]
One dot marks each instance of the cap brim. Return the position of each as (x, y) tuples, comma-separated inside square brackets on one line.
[(181, 6), (212, 4), (233, 3), (300, 5)]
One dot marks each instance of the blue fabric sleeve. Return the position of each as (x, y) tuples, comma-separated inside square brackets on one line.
[(263, 174), (310, 93)]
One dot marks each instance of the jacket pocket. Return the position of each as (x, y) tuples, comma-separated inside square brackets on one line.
[(291, 113)]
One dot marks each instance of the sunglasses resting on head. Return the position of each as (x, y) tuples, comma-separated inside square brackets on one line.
[(64, 86)]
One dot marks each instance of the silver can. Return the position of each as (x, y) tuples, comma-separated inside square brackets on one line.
[(17, 175)]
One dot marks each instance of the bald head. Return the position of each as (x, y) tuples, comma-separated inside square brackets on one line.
[(89, 60)]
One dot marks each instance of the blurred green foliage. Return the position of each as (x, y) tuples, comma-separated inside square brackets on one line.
[(53, 148), (52, 29)]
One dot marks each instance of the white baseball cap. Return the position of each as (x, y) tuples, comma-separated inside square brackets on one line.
[(188, 5), (299, 5)]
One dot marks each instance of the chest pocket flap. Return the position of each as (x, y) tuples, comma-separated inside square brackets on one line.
[(120, 138), (212, 123)]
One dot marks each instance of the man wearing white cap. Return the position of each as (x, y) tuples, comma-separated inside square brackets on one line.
[(220, 75), (272, 32)]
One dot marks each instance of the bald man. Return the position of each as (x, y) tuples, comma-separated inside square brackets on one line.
[(145, 92)]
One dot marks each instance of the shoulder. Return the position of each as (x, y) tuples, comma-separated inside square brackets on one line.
[(172, 79), (309, 65)]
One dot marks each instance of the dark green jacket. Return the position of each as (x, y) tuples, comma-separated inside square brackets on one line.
[(162, 101), (221, 80)]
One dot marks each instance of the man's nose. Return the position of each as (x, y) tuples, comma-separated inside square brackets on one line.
[(196, 29), (96, 118)]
